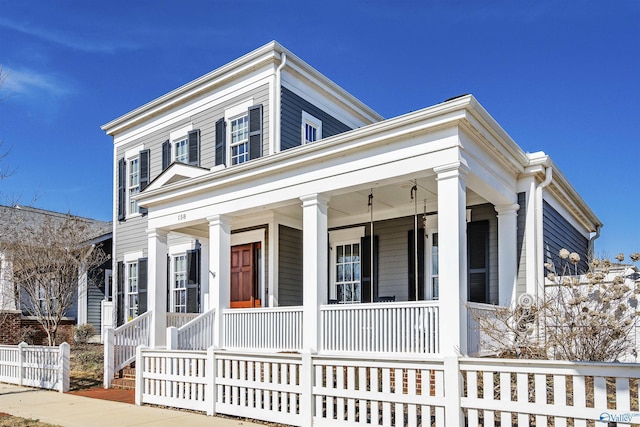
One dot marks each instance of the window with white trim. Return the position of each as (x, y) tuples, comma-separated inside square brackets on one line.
[(311, 128), (179, 284), (132, 290), (434, 266), (239, 142), (347, 264), (133, 183), (181, 150)]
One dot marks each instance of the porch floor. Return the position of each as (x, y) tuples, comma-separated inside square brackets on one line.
[(112, 394)]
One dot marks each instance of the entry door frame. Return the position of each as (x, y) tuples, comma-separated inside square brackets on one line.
[(254, 236)]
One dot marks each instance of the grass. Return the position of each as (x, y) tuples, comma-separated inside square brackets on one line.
[(86, 362), (11, 421)]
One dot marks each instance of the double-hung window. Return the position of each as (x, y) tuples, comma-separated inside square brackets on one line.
[(133, 177), (179, 284), (132, 290), (311, 128), (134, 184), (239, 139), (347, 264), (181, 150)]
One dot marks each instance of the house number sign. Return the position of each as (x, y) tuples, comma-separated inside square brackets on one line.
[(182, 217)]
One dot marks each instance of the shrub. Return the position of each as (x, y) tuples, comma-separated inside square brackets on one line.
[(82, 333)]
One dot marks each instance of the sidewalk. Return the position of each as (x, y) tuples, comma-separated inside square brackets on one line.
[(75, 411)]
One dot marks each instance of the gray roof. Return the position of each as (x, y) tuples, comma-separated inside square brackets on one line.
[(19, 216)]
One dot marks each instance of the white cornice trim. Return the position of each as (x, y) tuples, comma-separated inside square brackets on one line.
[(269, 53)]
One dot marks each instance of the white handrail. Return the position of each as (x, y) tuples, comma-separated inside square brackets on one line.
[(127, 337), (180, 319), (197, 334)]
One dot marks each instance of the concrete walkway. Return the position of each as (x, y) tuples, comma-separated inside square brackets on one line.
[(75, 411)]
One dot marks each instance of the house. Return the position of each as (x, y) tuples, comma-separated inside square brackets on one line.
[(266, 200), (92, 284)]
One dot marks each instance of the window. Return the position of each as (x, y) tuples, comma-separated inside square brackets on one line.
[(348, 286), (133, 177), (183, 146), (239, 139), (181, 150), (179, 284), (134, 184), (238, 135), (132, 290), (311, 128)]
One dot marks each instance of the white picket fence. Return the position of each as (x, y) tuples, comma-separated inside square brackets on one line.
[(36, 366), (392, 328), (327, 390), (263, 329)]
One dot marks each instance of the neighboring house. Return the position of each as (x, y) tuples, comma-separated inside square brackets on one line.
[(262, 183), (91, 285)]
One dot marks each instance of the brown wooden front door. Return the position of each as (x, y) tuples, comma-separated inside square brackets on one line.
[(244, 276)]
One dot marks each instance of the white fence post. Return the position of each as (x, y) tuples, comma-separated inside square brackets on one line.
[(172, 338), (306, 394), (64, 367), (139, 374), (21, 354), (210, 374), (109, 361), (452, 392)]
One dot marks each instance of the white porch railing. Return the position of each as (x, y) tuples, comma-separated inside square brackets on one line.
[(178, 320), (194, 335), (36, 366), (120, 344), (263, 329), (398, 327), (477, 344)]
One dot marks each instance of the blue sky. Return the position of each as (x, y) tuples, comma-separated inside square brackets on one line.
[(560, 77)]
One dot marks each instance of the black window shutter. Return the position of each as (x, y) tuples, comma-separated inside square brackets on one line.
[(169, 284), (193, 281), (255, 132), (365, 268), (142, 285), (411, 252), (478, 259), (120, 294), (144, 175), (221, 146), (144, 169), (166, 154), (122, 189), (194, 147)]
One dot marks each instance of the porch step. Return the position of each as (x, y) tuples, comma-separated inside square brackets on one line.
[(125, 379)]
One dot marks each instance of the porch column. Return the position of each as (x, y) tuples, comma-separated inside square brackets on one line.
[(219, 272), (314, 267), (157, 286), (507, 252), (452, 262)]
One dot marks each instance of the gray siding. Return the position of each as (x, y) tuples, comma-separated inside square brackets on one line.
[(291, 119), (521, 223), (558, 233), (290, 266), (488, 213), (130, 234), (393, 256), (95, 295)]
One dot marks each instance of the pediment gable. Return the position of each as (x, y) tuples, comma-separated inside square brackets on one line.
[(176, 172)]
